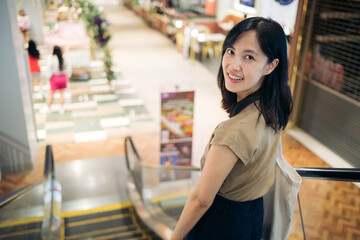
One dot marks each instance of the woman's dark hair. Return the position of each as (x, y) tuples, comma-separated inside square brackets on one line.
[(32, 50), (58, 53), (274, 95)]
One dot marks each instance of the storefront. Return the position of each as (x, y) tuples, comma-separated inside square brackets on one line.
[(327, 76), (198, 27)]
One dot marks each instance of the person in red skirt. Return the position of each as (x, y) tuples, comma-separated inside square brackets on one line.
[(59, 73), (35, 72)]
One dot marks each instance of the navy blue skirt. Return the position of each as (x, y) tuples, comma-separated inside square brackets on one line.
[(227, 219)]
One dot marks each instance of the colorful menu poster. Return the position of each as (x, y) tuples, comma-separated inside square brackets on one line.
[(177, 114)]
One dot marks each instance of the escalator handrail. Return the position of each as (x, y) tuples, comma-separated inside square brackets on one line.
[(48, 172), (179, 168), (128, 139), (332, 174)]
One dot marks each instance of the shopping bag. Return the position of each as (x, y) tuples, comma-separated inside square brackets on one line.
[(280, 201)]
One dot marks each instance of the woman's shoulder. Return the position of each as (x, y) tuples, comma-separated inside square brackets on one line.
[(248, 115), (249, 125)]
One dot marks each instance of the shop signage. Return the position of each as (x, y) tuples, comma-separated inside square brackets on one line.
[(177, 113)]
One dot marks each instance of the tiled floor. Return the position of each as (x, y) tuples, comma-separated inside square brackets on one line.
[(95, 110), (150, 63)]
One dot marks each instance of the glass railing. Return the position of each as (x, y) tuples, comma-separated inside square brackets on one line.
[(159, 192), (33, 212)]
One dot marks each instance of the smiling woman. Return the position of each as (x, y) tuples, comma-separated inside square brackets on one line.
[(245, 65), (238, 165)]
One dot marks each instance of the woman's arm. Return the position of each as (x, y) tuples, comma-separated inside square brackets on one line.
[(219, 162)]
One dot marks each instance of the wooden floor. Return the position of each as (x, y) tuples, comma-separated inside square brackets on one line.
[(331, 210)]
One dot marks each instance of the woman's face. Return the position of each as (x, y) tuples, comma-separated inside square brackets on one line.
[(245, 65)]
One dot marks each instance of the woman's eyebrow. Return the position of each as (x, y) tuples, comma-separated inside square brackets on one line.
[(246, 50), (251, 51)]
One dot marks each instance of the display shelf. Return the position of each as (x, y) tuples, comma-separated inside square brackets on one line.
[(339, 15), (337, 38)]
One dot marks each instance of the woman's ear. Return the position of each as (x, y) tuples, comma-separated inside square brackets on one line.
[(271, 66)]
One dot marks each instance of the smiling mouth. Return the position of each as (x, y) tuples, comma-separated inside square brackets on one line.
[(235, 78)]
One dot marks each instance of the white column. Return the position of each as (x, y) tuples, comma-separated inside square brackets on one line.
[(17, 125)]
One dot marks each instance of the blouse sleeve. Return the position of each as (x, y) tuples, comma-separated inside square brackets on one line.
[(241, 137), (51, 66)]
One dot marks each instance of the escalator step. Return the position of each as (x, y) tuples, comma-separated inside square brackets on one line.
[(27, 228), (96, 215), (122, 232), (133, 236), (150, 235), (20, 228), (97, 224), (33, 234), (113, 223)]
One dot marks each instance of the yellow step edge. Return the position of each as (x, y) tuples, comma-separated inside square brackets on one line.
[(14, 222), (62, 231), (97, 220), (87, 234), (172, 206), (4, 236), (135, 221), (106, 208), (169, 196), (114, 235), (116, 206)]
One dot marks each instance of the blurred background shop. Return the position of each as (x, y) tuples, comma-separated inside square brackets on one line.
[(324, 57), (124, 55)]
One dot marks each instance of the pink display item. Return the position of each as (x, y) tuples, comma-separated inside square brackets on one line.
[(69, 35), (58, 82)]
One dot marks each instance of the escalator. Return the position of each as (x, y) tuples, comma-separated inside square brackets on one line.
[(117, 221), (48, 210), (159, 193), (32, 212)]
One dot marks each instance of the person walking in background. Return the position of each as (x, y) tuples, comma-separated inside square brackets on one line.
[(34, 56), (238, 165), (24, 24), (59, 73)]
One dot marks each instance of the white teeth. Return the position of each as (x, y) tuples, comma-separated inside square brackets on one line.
[(235, 78)]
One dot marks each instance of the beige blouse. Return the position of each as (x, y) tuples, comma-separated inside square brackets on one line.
[(247, 135)]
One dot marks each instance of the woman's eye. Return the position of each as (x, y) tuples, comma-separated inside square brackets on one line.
[(230, 51), (249, 57)]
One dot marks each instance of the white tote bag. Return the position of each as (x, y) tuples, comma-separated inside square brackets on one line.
[(280, 201)]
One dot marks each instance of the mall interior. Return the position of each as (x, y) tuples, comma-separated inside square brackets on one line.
[(120, 157)]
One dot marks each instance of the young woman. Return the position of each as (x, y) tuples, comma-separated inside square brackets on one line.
[(34, 57), (58, 79), (238, 166), (24, 24)]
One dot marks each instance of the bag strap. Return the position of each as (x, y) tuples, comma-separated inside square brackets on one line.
[(301, 218)]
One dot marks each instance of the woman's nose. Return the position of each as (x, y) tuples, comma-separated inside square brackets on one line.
[(236, 64)]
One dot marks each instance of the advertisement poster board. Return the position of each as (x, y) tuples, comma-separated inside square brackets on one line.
[(177, 114)]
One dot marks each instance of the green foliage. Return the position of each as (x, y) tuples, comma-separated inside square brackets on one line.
[(98, 29), (108, 64)]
